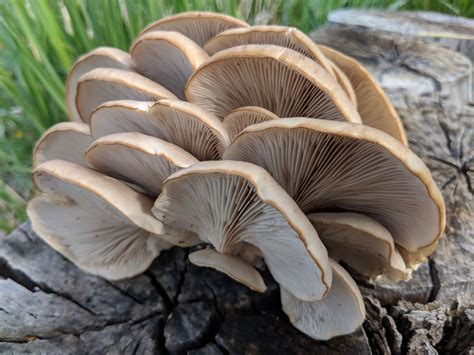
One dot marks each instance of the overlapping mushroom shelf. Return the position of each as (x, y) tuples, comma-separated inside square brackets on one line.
[(256, 143)]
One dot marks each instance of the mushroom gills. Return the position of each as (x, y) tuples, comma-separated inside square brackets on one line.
[(340, 313), (181, 123), (360, 242), (226, 203)]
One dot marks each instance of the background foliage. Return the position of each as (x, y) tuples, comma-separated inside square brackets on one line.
[(40, 39)]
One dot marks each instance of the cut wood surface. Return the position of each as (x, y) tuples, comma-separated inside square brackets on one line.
[(48, 305)]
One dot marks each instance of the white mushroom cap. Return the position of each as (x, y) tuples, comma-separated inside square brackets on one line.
[(137, 158), (361, 242), (239, 119), (167, 58), (231, 265), (182, 123), (199, 26), (104, 84), (101, 57), (66, 141), (288, 37), (97, 222), (372, 103), (340, 313), (327, 166), (227, 203), (278, 79)]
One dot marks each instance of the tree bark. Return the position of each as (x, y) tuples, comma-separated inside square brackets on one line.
[(48, 305)]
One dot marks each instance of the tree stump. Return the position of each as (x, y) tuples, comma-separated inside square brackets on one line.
[(451, 32), (48, 305)]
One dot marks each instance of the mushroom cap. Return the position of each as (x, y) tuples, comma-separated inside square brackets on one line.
[(167, 58), (372, 103), (105, 84), (288, 37), (231, 265), (239, 119), (182, 123), (101, 57), (137, 158), (278, 79), (226, 203), (199, 26), (345, 83), (327, 166), (361, 242), (66, 141), (93, 239), (340, 313)]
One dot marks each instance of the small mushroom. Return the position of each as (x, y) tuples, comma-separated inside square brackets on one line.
[(101, 57), (361, 242), (228, 203), (138, 159), (66, 141), (278, 79), (167, 58), (232, 266), (239, 119), (106, 84), (199, 26), (97, 222), (340, 166), (340, 313), (182, 123), (372, 103)]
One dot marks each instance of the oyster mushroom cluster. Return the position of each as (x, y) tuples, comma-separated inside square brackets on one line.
[(267, 149)]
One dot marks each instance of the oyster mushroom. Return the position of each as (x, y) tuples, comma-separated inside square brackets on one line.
[(182, 123), (340, 313), (105, 84), (372, 103), (237, 120), (326, 165), (199, 26), (66, 141), (142, 160), (101, 57), (361, 243), (167, 58), (97, 222), (278, 79), (228, 203)]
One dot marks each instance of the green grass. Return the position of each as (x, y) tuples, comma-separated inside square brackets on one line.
[(40, 40)]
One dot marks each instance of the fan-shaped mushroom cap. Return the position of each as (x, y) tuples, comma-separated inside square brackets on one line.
[(199, 26), (167, 58), (137, 158), (231, 265), (345, 83), (340, 313), (279, 79), (328, 165), (237, 120), (361, 242), (372, 103), (101, 57), (288, 37), (66, 141), (227, 203), (182, 123), (96, 221), (105, 84)]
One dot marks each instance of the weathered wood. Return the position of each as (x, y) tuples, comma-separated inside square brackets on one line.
[(48, 305), (451, 32)]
